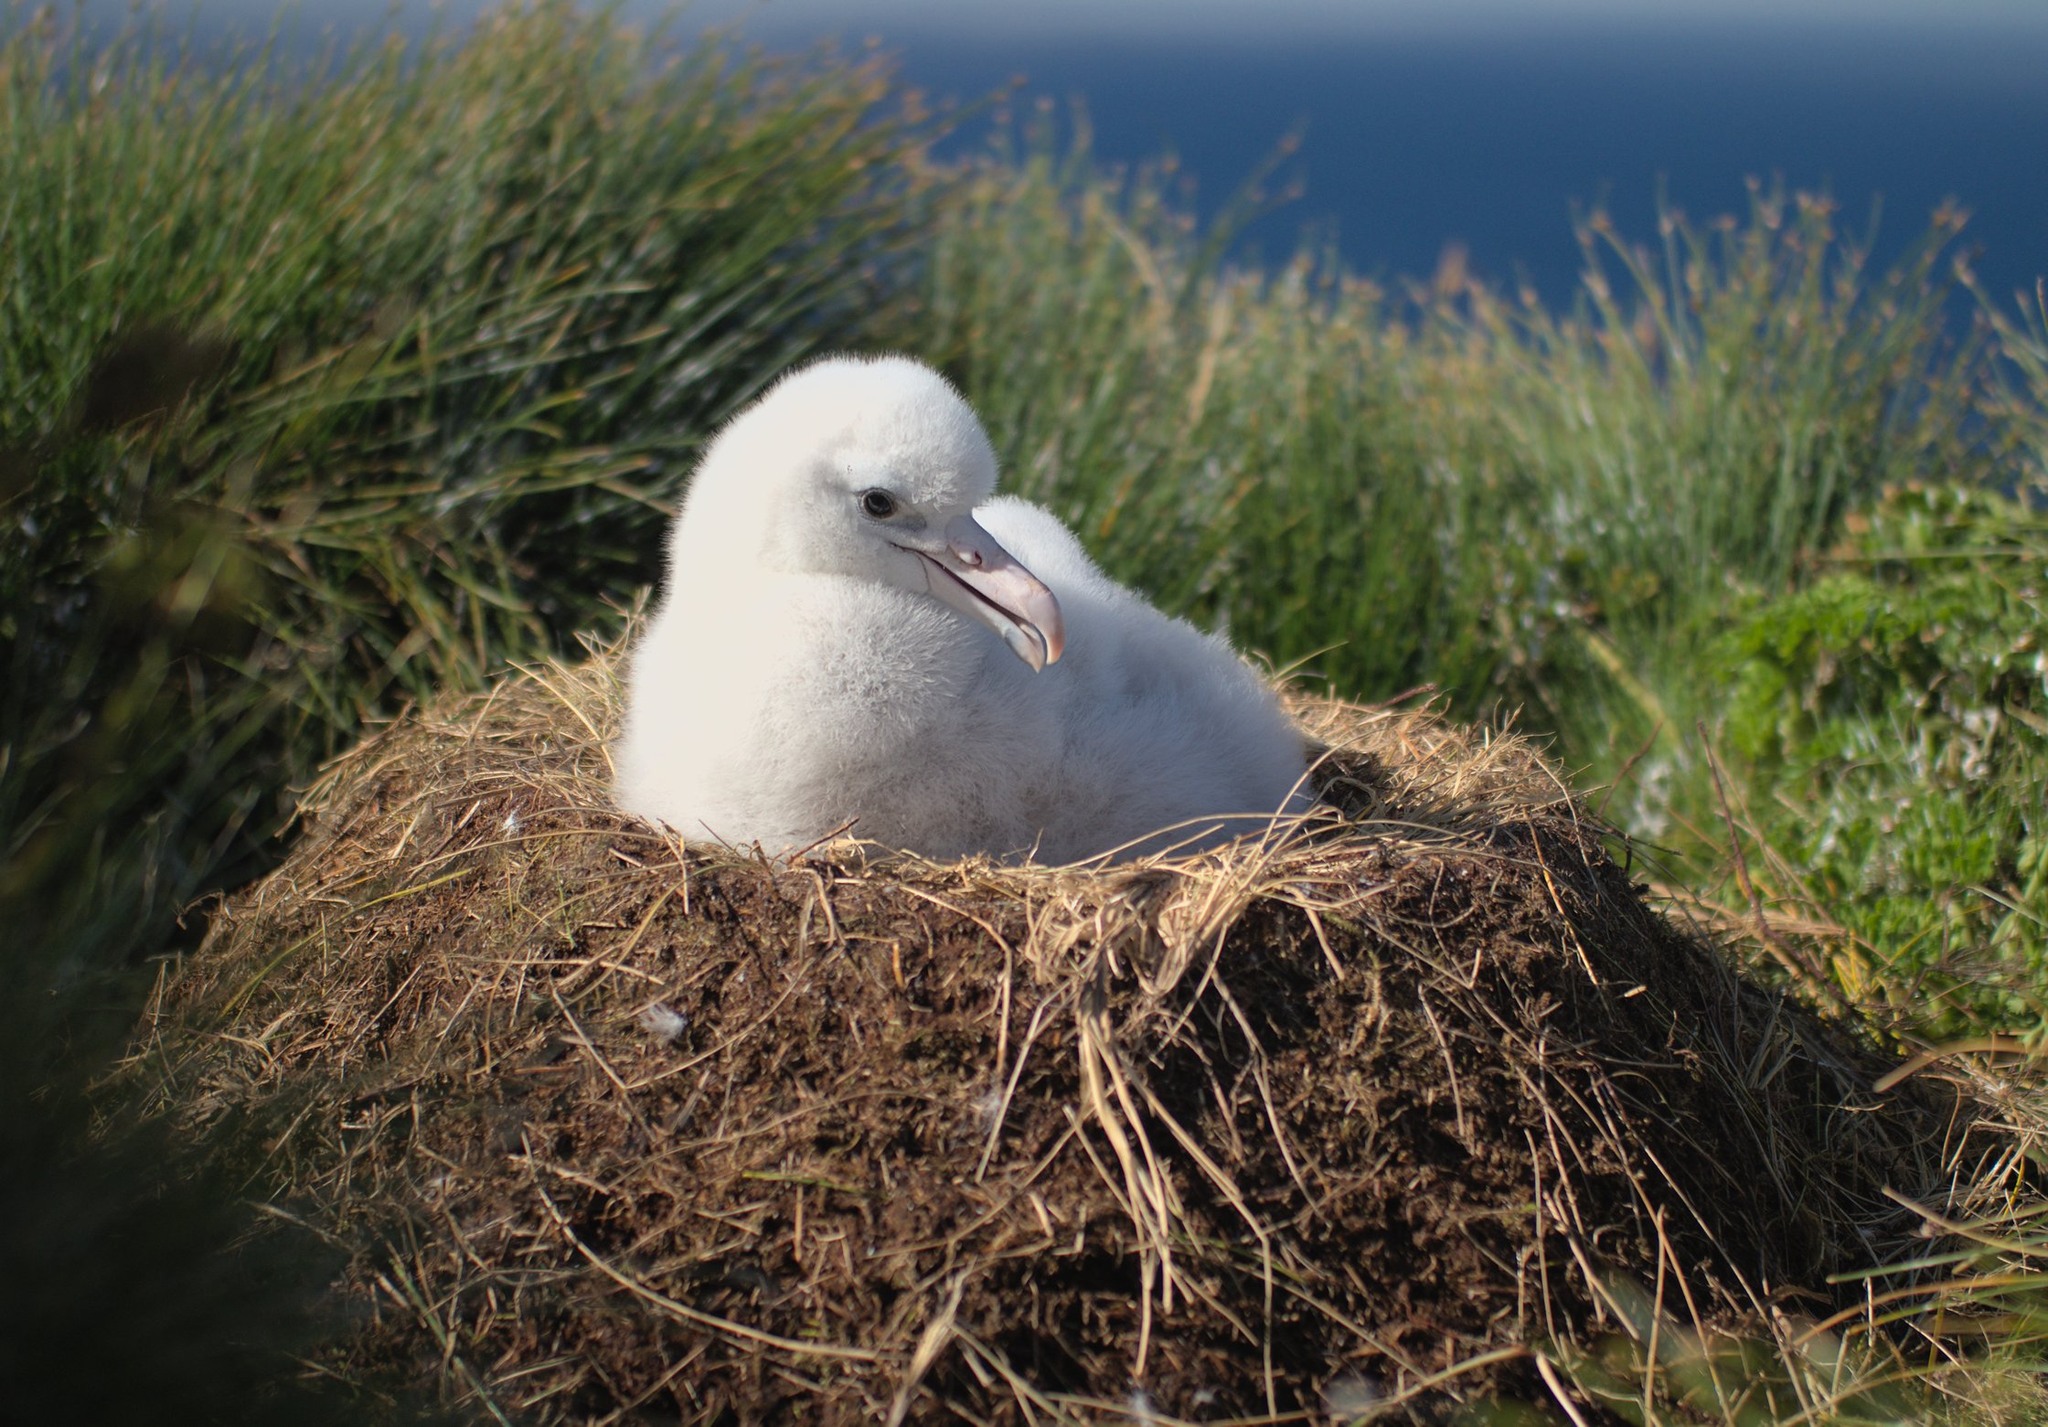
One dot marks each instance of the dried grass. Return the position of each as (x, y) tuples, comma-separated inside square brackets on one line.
[(622, 1128)]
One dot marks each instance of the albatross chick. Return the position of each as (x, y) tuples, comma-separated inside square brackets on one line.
[(857, 633)]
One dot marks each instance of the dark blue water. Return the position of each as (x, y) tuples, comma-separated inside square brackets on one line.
[(1490, 136), (1413, 142)]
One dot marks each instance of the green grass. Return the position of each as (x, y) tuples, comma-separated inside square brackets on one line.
[(1565, 518), (316, 397), (321, 391), (1444, 486)]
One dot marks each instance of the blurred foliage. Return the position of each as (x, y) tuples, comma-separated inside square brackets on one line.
[(1657, 1370), (1953, 1338), (323, 388), (1894, 715), (142, 1287)]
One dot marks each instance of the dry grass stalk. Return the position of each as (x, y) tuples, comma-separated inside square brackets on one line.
[(1352, 1116)]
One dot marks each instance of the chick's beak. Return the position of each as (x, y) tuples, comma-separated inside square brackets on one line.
[(977, 576)]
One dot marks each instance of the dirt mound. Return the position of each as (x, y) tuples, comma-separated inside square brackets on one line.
[(628, 1130)]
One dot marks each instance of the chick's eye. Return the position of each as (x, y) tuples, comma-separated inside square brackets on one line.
[(878, 504)]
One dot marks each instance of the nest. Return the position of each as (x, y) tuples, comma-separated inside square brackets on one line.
[(623, 1129)]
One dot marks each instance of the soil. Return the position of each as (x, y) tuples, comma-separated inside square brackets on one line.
[(624, 1130)]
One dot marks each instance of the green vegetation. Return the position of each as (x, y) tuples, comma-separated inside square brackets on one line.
[(1453, 488), (321, 393), (1894, 715), (1623, 525), (317, 397)]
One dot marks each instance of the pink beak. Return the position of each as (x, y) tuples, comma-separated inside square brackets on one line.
[(978, 577)]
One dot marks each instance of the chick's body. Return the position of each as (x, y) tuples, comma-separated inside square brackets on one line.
[(793, 683)]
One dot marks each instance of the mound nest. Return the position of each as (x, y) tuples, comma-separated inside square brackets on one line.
[(620, 1128)]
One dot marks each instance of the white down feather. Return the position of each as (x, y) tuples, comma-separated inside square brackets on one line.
[(811, 667)]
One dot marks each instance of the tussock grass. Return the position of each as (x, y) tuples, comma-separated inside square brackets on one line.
[(322, 393), (1582, 520), (1446, 485)]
